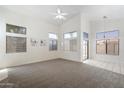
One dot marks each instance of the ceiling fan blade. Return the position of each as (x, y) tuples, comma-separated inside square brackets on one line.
[(58, 11), (64, 14), (60, 17)]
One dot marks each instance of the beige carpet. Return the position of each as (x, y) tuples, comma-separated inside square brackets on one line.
[(61, 73)]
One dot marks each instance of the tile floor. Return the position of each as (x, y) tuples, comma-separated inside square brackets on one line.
[(114, 67)]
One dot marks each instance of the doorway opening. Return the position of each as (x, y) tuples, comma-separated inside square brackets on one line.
[(85, 50), (85, 46)]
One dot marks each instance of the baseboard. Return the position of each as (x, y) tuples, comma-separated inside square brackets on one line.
[(70, 60), (4, 72), (32, 62)]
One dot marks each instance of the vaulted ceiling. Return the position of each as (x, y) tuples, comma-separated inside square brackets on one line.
[(44, 11)]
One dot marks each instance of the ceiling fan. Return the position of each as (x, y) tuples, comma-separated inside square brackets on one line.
[(59, 14)]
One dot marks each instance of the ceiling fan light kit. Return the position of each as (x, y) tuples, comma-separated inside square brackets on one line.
[(60, 15)]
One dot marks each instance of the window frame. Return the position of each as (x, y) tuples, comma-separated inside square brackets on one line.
[(24, 38), (71, 38), (118, 47), (117, 38), (16, 35), (105, 48)]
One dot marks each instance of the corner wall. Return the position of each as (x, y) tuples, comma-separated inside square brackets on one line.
[(79, 23), (71, 25), (85, 27)]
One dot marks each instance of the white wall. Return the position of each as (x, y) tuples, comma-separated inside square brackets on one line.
[(71, 25), (85, 27), (97, 26), (3, 74), (37, 29)]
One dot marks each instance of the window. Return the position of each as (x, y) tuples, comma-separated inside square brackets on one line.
[(111, 35), (73, 44), (67, 45), (74, 34), (16, 40), (15, 44), (113, 46), (100, 35), (101, 46), (15, 29), (52, 41), (107, 43), (85, 36), (67, 36), (70, 41), (52, 36)]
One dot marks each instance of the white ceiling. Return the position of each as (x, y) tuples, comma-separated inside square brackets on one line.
[(44, 11), (98, 11)]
